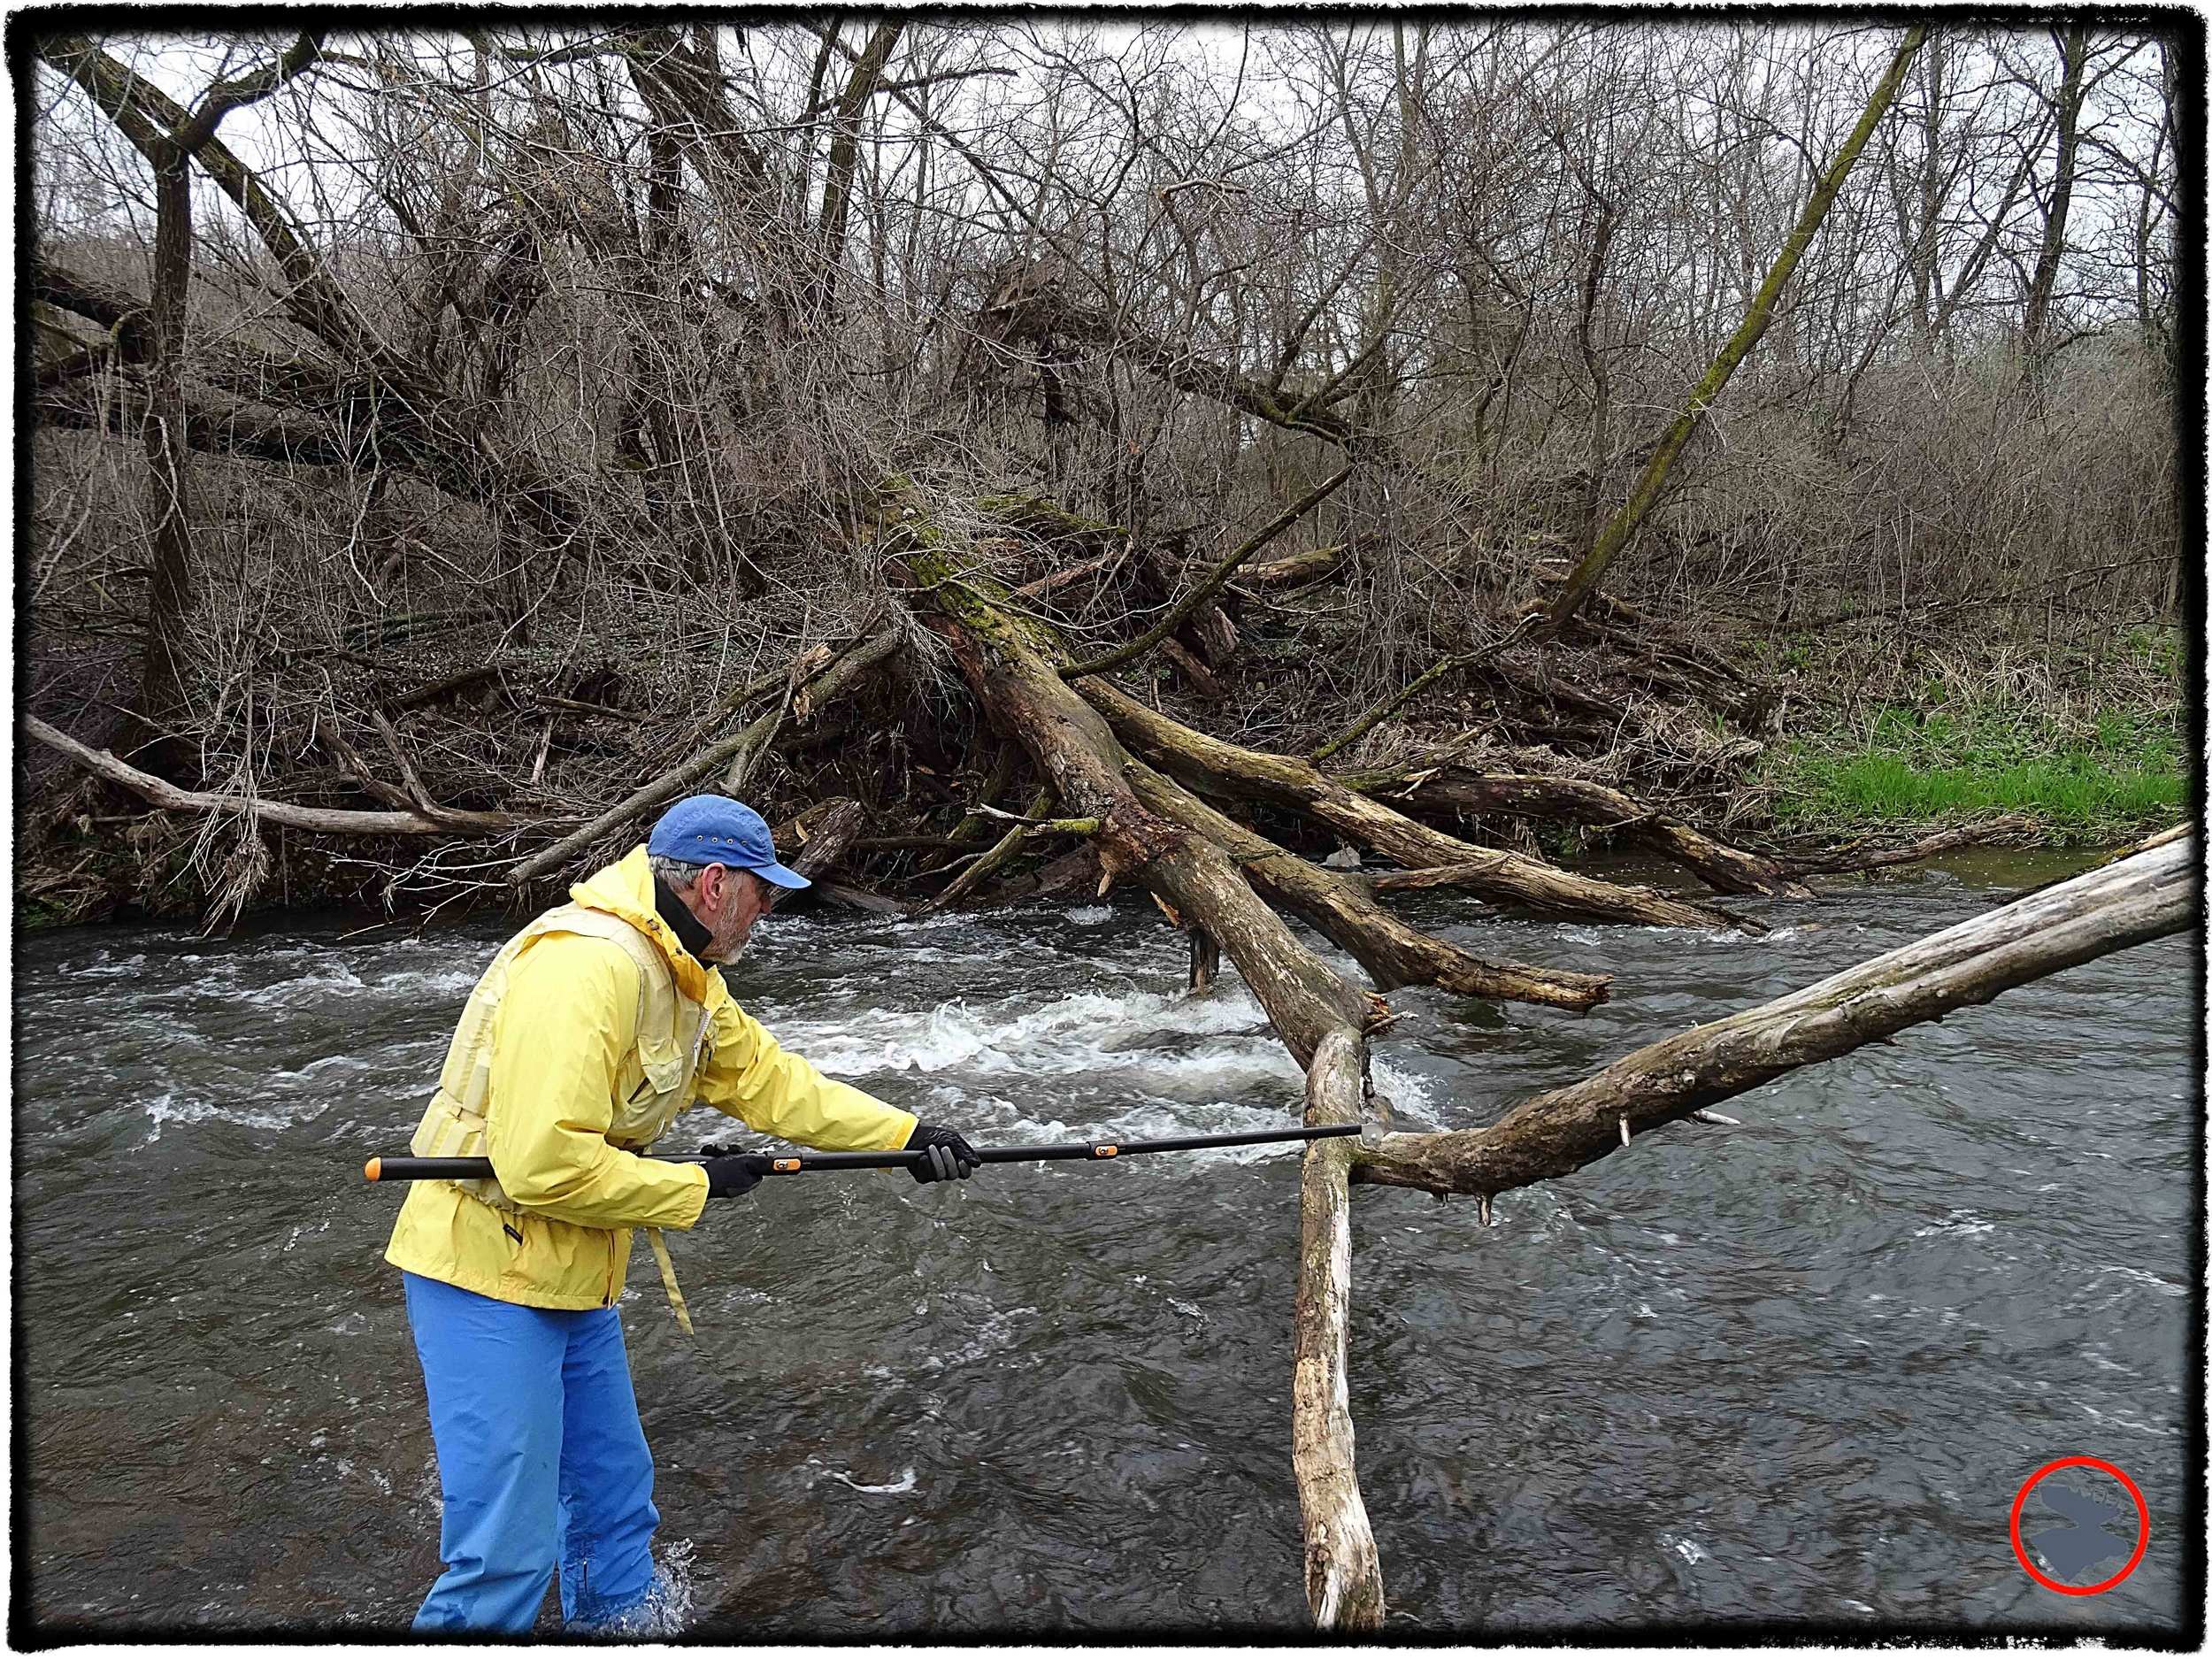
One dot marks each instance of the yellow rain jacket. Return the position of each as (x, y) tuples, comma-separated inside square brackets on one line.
[(590, 1031)]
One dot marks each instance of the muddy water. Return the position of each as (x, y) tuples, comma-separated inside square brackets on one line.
[(1791, 1373)]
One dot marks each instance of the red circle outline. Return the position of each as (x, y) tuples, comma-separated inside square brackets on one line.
[(2142, 1529)]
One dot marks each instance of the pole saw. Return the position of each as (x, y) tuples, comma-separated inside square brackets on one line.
[(412, 1169)]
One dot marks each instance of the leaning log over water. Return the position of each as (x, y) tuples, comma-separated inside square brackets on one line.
[(1003, 658), (2107, 908)]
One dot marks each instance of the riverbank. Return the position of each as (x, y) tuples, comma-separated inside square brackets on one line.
[(1815, 735)]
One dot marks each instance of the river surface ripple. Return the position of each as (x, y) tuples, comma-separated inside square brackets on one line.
[(1788, 1373)]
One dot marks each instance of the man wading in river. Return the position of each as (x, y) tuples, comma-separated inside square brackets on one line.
[(591, 1031)]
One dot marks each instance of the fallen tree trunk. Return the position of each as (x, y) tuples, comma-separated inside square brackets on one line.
[(213, 424), (1213, 766), (1724, 868), (2107, 908), (1340, 906), (1294, 570), (1144, 822), (331, 820), (2179, 831), (1024, 696), (1856, 855)]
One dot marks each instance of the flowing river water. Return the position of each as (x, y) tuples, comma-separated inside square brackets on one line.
[(1790, 1374)]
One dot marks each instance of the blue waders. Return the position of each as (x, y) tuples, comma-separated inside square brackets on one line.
[(541, 1458)]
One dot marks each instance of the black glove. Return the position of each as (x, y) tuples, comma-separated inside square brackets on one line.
[(734, 1174), (950, 1157)]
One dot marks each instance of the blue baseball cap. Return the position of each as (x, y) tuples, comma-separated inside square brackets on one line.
[(712, 829)]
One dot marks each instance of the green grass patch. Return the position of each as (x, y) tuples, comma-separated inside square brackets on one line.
[(2104, 775), (2072, 790)]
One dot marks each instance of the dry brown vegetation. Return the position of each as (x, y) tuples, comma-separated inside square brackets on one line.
[(538, 390)]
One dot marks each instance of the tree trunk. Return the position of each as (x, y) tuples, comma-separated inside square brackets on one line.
[(1724, 868), (1211, 765), (2143, 897), (844, 153), (161, 684), (2073, 57), (1342, 908), (1032, 306), (169, 138), (1625, 524)]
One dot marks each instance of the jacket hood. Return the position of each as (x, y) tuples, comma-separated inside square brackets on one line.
[(625, 889)]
